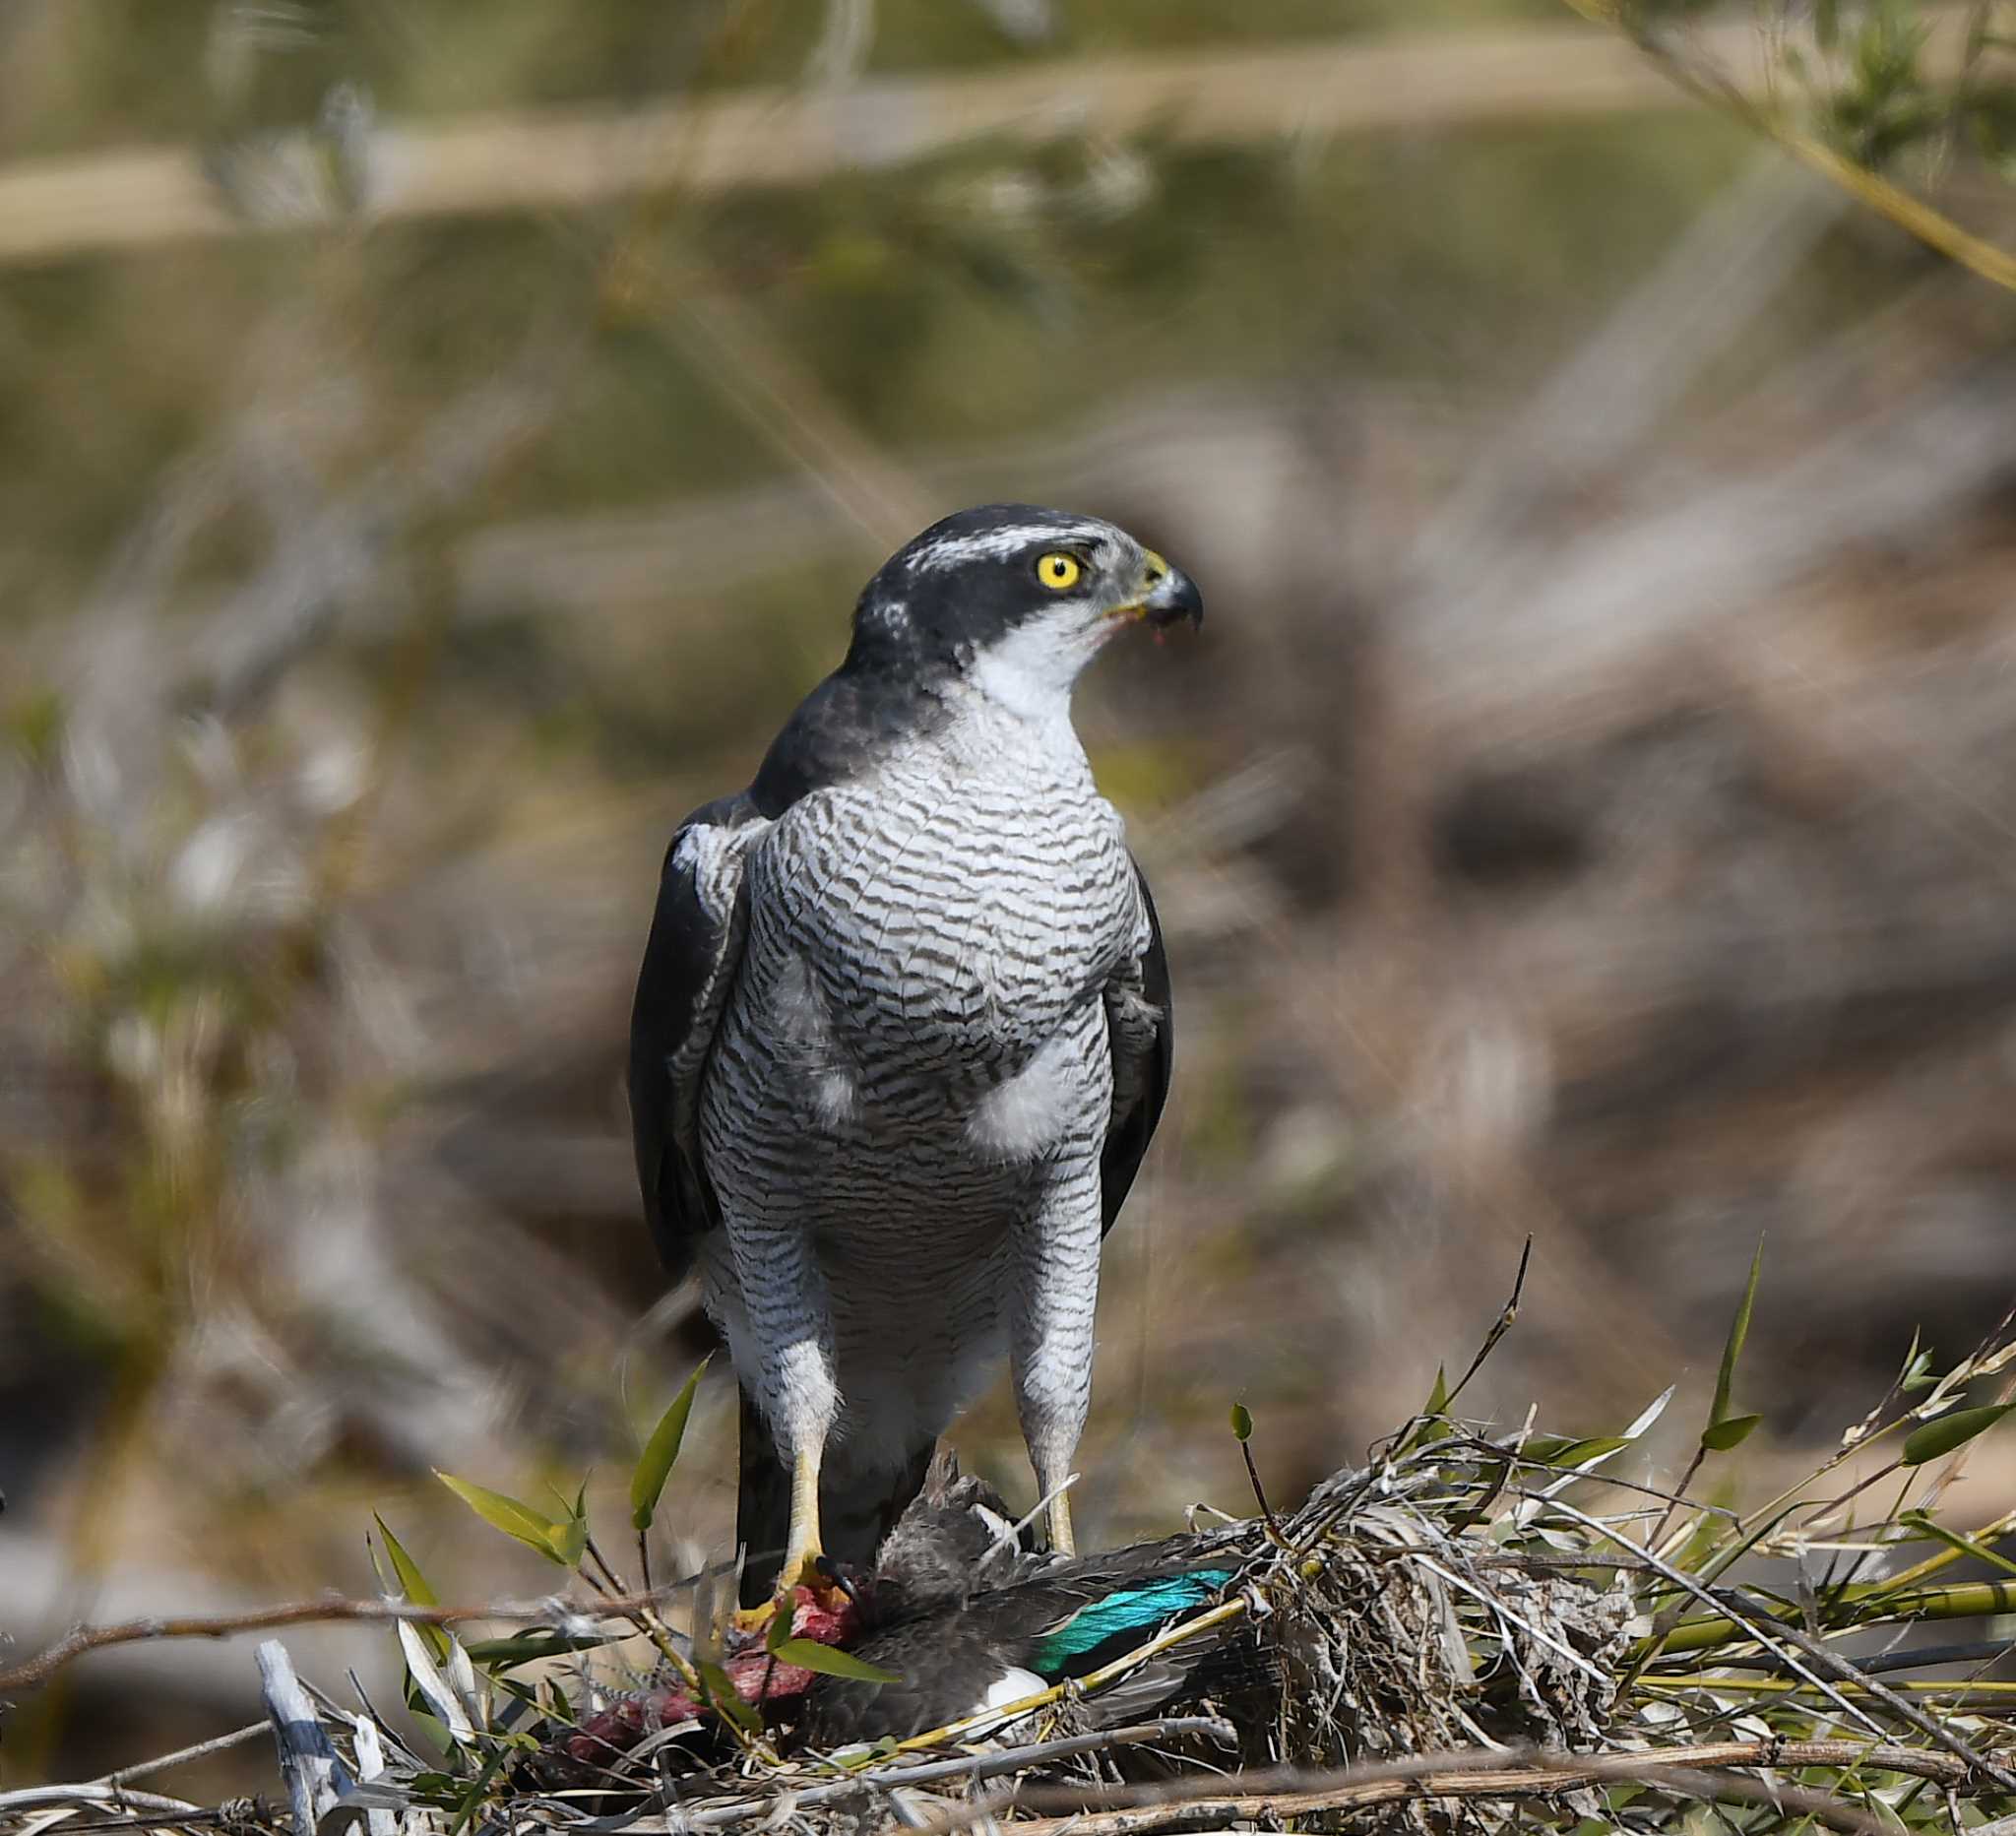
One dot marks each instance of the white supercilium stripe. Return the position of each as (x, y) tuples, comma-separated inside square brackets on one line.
[(995, 543)]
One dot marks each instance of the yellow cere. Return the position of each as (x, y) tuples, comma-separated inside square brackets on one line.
[(1058, 570)]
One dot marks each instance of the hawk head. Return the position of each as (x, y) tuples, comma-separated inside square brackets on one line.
[(1015, 601)]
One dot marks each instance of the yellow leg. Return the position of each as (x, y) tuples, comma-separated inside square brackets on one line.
[(1063, 1542), (801, 1548)]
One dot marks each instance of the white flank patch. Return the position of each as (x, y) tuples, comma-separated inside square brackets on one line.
[(1017, 1121)]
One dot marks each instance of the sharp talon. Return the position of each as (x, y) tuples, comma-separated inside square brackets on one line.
[(836, 1576), (815, 1570)]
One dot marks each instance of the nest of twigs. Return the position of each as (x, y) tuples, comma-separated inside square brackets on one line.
[(1479, 1629)]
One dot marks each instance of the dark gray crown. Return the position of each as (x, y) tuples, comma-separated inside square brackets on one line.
[(967, 580)]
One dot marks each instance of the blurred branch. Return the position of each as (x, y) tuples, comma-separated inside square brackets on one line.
[(327, 558), (1707, 82), (1614, 391), (89, 1637), (1245, 440), (843, 43), (1590, 611), (145, 197), (780, 397)]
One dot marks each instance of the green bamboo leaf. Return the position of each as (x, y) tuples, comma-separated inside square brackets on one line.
[(518, 1520), (1730, 1432), (655, 1465), (1950, 1431), (435, 1732), (1568, 1454), (809, 1655), (413, 1585), (504, 1654), (412, 1582), (863, 1757), (1967, 1545), (479, 1790), (1433, 1424), (570, 1534), (1242, 1422), (777, 1632), (1739, 1331)]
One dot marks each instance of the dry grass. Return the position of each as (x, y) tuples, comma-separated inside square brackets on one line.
[(1480, 1629)]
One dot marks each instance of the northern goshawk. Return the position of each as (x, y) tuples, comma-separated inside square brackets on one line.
[(902, 1033)]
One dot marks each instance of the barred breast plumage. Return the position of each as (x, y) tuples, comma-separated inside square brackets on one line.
[(901, 1033), (917, 1030)]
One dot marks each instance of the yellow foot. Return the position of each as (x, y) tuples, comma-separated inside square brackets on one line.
[(754, 1621), (805, 1572), (802, 1552)]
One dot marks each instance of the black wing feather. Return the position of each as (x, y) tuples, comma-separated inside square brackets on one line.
[(1131, 1130), (679, 990), (836, 731)]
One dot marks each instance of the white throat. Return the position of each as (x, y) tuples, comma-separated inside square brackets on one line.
[(1031, 672)]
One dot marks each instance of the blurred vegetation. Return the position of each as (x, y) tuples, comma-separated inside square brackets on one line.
[(1584, 812)]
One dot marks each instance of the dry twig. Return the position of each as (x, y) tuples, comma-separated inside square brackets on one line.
[(1483, 1772), (327, 1611)]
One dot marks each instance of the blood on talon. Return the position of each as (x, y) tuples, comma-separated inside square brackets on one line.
[(830, 1619)]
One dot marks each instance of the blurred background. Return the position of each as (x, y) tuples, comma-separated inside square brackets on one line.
[(439, 444)]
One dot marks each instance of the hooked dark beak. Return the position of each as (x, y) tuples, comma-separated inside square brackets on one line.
[(1170, 595)]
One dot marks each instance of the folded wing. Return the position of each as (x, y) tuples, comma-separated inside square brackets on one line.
[(1141, 1031), (689, 967)]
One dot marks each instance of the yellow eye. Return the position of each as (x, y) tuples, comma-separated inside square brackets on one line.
[(1059, 571)]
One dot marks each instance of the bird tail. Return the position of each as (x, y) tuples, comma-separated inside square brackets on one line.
[(856, 1509)]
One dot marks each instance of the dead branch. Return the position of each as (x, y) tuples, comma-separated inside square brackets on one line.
[(113, 1797), (182, 1756), (308, 1764), (1842, 1670), (970, 1767), (328, 1610), (1483, 1772)]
